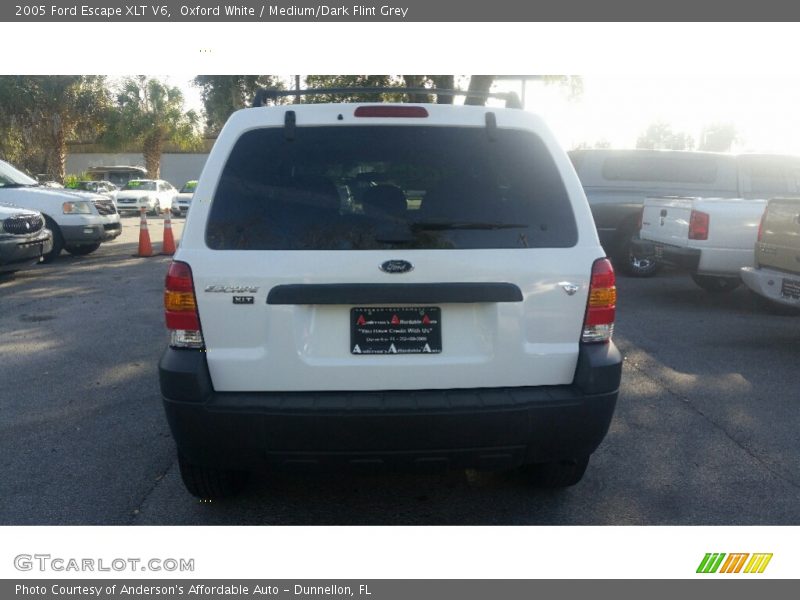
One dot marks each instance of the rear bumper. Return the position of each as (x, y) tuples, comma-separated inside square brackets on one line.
[(769, 283), (687, 259), (484, 428)]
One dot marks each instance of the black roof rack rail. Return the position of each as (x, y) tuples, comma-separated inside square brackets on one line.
[(264, 94)]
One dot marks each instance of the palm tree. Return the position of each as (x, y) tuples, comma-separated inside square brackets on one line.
[(151, 113), (45, 111)]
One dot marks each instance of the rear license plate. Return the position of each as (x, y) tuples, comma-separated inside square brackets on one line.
[(790, 288), (390, 330)]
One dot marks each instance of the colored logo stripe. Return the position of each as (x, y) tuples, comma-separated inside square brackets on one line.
[(758, 563), (710, 562), (733, 564)]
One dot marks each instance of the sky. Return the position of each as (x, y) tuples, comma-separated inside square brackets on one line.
[(618, 108)]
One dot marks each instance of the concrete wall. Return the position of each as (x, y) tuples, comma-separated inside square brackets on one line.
[(175, 168)]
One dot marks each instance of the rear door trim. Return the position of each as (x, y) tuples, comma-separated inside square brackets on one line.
[(394, 293)]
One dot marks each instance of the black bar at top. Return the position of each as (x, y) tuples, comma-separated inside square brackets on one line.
[(404, 10)]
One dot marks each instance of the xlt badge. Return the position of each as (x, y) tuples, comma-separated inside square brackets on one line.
[(232, 289)]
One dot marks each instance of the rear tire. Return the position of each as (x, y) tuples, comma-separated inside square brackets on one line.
[(716, 285), (82, 250), (556, 474), (208, 483), (58, 240)]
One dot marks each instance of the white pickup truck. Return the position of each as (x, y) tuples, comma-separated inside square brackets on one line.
[(712, 238)]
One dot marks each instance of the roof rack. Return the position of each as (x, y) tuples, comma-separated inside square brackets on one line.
[(263, 95)]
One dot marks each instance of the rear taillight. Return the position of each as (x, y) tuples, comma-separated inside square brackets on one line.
[(180, 307), (698, 225), (760, 237), (598, 326), (405, 112)]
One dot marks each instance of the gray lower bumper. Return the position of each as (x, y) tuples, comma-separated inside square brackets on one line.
[(75, 235)]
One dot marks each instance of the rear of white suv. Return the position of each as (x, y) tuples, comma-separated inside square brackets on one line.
[(388, 284)]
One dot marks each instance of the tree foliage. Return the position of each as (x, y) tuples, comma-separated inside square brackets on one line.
[(40, 114), (150, 113), (224, 94), (718, 137), (352, 81), (660, 136)]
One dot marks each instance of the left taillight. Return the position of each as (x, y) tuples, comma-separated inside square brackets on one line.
[(180, 308), (601, 309)]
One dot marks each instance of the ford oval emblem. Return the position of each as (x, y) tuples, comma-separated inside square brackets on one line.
[(396, 266)]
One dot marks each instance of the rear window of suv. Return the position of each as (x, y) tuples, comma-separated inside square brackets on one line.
[(385, 187)]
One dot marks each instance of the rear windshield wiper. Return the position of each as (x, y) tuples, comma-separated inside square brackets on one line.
[(442, 225)]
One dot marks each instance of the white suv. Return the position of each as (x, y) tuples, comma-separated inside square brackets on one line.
[(388, 284)]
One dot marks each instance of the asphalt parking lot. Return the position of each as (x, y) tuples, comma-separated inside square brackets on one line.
[(705, 430)]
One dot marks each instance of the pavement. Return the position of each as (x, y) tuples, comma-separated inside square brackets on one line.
[(705, 430)]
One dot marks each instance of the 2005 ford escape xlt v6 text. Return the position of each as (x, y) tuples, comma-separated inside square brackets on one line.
[(391, 284)]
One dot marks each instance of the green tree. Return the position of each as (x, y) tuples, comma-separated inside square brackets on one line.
[(224, 94), (718, 137), (352, 81), (660, 136), (149, 114), (40, 114)]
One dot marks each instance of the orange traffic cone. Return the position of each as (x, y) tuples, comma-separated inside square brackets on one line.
[(168, 247), (145, 247)]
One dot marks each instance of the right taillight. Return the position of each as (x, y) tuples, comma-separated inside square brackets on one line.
[(598, 325), (180, 305), (698, 225)]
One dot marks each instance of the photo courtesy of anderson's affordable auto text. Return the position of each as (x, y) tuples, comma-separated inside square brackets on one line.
[(386, 336)]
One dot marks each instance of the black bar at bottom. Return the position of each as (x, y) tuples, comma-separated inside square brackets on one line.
[(741, 588)]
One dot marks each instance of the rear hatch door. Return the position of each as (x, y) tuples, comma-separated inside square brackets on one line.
[(390, 254)]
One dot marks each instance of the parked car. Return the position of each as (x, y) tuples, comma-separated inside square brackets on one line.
[(616, 183), (711, 238), (119, 175), (182, 202), (79, 221), (105, 188), (460, 313), (23, 238), (776, 273), (154, 195)]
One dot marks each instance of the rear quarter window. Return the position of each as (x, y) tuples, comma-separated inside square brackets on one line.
[(663, 169), (383, 187)]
